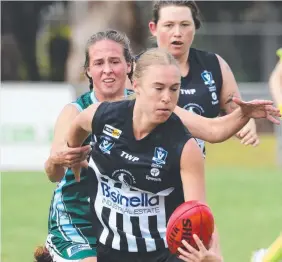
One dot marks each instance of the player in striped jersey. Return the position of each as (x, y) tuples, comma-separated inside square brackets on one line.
[(144, 163), (107, 65)]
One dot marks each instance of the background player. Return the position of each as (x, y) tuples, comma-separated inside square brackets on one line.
[(207, 82), (107, 64)]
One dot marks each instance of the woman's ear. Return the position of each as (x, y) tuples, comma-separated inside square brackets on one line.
[(153, 28)]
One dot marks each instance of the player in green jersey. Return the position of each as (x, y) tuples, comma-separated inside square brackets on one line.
[(108, 63)]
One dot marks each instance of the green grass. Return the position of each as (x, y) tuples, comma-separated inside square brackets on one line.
[(244, 193)]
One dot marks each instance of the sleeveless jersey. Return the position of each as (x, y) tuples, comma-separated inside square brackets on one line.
[(201, 88), (70, 218), (137, 183)]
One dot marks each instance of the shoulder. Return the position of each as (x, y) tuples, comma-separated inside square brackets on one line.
[(202, 53), (108, 111), (83, 101)]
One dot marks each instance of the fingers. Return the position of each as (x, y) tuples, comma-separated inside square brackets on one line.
[(275, 111), (238, 101), (244, 131), (76, 171), (250, 139), (190, 255), (272, 119), (259, 102), (199, 243), (79, 150)]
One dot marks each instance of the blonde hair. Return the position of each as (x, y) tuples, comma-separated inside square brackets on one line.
[(153, 56)]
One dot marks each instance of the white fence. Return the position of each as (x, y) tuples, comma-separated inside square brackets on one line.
[(28, 112)]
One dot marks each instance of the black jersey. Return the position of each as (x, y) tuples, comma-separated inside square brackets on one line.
[(138, 181), (200, 89)]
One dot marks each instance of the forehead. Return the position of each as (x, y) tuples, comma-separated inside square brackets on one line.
[(172, 13), (105, 48), (166, 74)]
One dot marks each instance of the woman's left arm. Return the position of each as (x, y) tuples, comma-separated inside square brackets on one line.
[(193, 183), (248, 134)]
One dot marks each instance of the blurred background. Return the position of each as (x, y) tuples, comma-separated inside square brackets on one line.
[(42, 57)]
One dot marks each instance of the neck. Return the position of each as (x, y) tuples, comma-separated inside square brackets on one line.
[(110, 97), (183, 63), (141, 123)]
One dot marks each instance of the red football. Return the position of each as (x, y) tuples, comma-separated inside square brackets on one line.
[(192, 217)]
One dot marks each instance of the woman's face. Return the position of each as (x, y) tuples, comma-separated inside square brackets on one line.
[(108, 67), (157, 91), (175, 29)]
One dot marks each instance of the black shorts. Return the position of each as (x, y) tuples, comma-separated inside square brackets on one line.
[(107, 254)]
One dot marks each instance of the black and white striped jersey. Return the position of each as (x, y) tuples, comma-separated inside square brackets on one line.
[(137, 182)]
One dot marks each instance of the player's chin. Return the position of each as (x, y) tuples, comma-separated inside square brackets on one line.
[(161, 117), (110, 90)]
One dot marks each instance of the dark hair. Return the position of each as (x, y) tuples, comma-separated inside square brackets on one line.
[(115, 36), (41, 254), (190, 4)]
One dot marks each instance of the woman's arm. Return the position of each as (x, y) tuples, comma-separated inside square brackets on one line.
[(193, 182), (216, 130), (248, 134), (213, 130), (275, 84), (79, 130), (61, 156)]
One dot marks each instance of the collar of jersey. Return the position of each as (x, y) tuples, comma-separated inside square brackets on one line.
[(95, 100)]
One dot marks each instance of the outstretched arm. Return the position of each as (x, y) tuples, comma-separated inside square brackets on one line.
[(219, 129)]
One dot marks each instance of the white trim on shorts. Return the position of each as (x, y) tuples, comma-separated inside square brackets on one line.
[(55, 253)]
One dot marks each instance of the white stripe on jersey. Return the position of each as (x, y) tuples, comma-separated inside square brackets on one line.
[(150, 242), (105, 231), (128, 203)]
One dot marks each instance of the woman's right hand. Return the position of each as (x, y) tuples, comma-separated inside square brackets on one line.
[(70, 157), (193, 255)]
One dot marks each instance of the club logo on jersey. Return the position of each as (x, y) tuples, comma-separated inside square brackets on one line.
[(129, 157), (214, 98), (155, 172), (106, 145), (77, 248), (160, 156), (124, 176), (112, 131), (207, 77), (194, 108)]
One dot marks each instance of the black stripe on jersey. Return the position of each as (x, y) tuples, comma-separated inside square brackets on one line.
[(118, 185), (104, 179), (123, 239), (141, 244), (105, 217), (153, 227)]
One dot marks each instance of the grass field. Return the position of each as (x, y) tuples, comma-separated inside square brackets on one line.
[(245, 194)]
